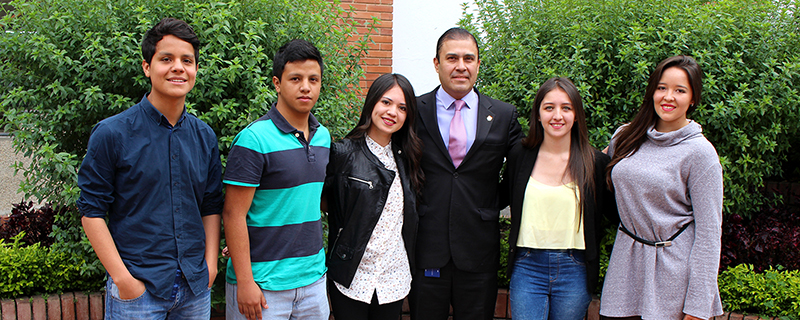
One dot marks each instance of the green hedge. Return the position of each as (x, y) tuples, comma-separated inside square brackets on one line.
[(775, 292), (749, 52), (67, 64), (30, 270)]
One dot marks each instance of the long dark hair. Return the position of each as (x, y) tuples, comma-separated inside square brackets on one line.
[(405, 138), (631, 137), (581, 154)]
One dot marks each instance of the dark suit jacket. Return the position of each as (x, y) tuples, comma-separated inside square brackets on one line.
[(459, 208), (600, 203)]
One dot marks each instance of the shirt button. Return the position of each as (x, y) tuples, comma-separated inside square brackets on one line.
[(297, 135)]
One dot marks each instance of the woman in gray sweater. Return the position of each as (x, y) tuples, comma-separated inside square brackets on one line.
[(668, 184)]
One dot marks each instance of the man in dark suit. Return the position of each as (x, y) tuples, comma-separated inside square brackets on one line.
[(466, 137)]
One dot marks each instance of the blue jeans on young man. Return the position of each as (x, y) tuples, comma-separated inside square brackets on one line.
[(183, 304), (549, 284), (309, 302)]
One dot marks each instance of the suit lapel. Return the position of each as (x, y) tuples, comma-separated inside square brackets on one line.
[(485, 120), (427, 117)]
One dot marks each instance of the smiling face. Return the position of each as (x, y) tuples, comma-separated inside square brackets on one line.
[(172, 71), (298, 88), (457, 65), (388, 116), (556, 115), (671, 99)]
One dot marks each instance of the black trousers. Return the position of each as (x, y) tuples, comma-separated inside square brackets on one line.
[(344, 308), (472, 295)]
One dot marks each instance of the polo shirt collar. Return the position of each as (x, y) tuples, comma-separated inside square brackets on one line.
[(283, 125)]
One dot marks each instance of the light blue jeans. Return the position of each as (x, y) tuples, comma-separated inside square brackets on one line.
[(549, 284), (184, 305), (309, 302)]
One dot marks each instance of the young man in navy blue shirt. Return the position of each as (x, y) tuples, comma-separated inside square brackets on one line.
[(154, 171)]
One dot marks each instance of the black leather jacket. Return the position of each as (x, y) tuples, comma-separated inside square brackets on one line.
[(356, 188)]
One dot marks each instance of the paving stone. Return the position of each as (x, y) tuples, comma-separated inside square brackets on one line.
[(39, 308), (53, 307), (24, 309), (68, 306)]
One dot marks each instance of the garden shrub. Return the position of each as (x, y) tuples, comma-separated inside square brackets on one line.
[(67, 64), (749, 52), (771, 237), (34, 269), (774, 292), (36, 224)]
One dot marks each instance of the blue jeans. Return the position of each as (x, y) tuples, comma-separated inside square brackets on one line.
[(184, 305), (309, 302), (549, 284)]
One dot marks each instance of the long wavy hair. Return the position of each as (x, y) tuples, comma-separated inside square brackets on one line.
[(581, 154), (405, 138), (632, 136)]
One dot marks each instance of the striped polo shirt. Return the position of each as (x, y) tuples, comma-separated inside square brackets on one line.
[(283, 222)]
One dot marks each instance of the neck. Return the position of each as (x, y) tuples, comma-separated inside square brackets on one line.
[(662, 126), (170, 108), (381, 139), (559, 145), (298, 120)]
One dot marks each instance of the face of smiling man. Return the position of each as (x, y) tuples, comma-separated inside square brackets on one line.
[(172, 71), (457, 65)]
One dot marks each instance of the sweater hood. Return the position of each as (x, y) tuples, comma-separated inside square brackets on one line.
[(665, 139)]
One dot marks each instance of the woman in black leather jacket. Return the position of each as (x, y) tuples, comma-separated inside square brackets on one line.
[(373, 176)]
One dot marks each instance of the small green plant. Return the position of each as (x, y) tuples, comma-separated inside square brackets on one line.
[(28, 270), (774, 292), (502, 275)]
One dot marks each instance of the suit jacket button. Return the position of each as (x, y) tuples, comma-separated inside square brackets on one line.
[(455, 175)]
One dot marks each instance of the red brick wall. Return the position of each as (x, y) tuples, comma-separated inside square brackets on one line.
[(379, 58)]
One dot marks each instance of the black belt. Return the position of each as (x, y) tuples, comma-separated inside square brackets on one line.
[(659, 244)]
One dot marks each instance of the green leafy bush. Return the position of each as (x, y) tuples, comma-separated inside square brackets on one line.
[(749, 52), (28, 270), (775, 292), (67, 64)]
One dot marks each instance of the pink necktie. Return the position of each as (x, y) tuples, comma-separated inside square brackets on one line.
[(458, 135)]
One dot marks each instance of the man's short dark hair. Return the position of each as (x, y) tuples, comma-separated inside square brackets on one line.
[(169, 26), (455, 33), (295, 50)]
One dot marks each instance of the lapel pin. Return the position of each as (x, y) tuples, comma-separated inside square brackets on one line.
[(489, 118)]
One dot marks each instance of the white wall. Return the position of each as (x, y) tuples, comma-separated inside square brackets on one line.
[(417, 26)]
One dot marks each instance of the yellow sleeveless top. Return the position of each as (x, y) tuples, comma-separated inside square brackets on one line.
[(551, 217)]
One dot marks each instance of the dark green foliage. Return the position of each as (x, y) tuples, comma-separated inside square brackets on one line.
[(67, 64), (748, 50), (503, 278), (774, 292)]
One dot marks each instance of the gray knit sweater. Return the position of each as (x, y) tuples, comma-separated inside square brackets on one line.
[(674, 178)]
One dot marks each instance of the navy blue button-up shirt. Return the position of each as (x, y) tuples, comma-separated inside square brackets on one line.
[(154, 182)]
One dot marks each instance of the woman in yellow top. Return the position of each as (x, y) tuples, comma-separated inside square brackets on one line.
[(558, 195)]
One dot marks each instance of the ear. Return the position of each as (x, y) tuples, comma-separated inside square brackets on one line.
[(277, 83), (436, 64), (146, 68)]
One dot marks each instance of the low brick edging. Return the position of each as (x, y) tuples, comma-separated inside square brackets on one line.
[(90, 306), (70, 305)]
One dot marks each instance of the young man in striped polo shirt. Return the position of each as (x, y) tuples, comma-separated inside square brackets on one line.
[(273, 179)]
